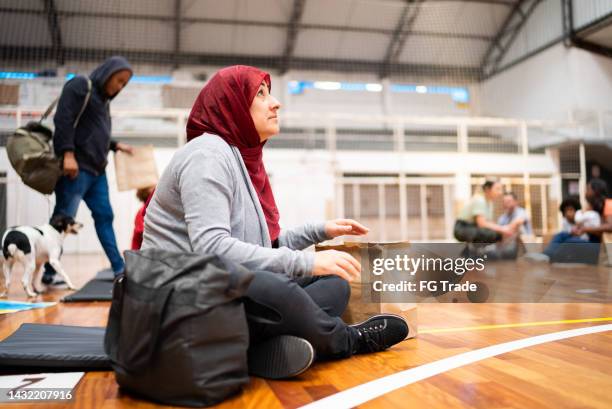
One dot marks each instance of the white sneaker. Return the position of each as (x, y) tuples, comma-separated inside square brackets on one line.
[(537, 257)]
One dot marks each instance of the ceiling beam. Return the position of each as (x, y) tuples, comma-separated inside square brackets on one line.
[(592, 47), (506, 3), (517, 17), (54, 30), (567, 11), (456, 73), (252, 23), (177, 31), (292, 31), (400, 34), (579, 38)]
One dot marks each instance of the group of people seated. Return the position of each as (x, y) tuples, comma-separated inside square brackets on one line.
[(582, 229), (476, 226), (578, 241)]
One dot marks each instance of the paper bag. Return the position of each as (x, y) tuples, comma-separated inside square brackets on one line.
[(136, 171), (360, 307)]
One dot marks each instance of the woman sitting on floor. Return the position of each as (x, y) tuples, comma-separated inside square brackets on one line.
[(215, 197)]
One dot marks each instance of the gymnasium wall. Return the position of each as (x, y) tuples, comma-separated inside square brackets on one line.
[(556, 84)]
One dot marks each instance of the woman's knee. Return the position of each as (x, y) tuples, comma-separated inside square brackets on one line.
[(336, 296), (343, 288)]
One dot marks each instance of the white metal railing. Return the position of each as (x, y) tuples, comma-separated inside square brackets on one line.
[(336, 131), (592, 124), (421, 215), (384, 226)]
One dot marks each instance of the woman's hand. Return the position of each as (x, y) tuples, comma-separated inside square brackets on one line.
[(333, 262), (341, 227), (124, 147)]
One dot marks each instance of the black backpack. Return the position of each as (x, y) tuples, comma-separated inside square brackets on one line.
[(177, 331), (30, 152)]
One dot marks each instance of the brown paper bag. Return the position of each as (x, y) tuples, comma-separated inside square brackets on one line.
[(359, 309), (136, 171)]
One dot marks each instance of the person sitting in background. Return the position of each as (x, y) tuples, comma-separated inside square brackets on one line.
[(568, 210), (515, 215), (475, 225), (599, 188), (144, 195), (517, 218), (604, 229), (573, 247), (586, 218)]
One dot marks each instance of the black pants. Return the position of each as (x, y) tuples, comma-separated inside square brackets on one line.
[(309, 308), (471, 233)]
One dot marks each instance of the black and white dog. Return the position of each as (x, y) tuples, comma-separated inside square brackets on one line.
[(32, 247)]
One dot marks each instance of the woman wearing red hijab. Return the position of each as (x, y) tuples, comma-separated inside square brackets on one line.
[(215, 197)]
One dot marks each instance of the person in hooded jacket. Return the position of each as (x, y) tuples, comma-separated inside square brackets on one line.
[(84, 151), (215, 197)]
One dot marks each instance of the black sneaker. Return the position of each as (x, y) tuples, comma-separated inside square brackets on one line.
[(280, 357), (379, 332)]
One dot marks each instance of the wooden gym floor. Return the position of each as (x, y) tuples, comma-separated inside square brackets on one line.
[(570, 373)]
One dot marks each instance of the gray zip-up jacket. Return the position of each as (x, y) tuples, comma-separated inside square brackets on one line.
[(205, 202)]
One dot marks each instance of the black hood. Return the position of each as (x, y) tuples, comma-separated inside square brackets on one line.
[(103, 72)]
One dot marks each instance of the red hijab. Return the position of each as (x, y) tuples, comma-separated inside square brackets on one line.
[(222, 108)]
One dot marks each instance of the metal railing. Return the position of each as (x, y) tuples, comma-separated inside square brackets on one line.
[(334, 131), (399, 207)]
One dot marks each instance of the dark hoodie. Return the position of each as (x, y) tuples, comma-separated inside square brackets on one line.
[(91, 140)]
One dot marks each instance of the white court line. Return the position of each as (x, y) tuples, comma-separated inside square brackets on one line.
[(373, 389)]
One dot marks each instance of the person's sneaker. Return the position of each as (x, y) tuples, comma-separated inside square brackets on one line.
[(52, 280), (284, 356), (379, 332), (537, 257)]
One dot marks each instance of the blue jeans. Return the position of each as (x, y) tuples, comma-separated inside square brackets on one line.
[(566, 248), (94, 191)]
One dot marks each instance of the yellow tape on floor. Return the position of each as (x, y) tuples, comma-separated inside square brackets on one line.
[(514, 325)]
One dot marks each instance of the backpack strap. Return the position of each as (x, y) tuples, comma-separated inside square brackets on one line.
[(49, 109), (56, 100), (87, 97)]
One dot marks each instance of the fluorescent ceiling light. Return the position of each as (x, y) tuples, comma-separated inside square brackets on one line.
[(327, 85)]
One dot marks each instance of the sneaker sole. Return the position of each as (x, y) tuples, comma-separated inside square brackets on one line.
[(280, 357)]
